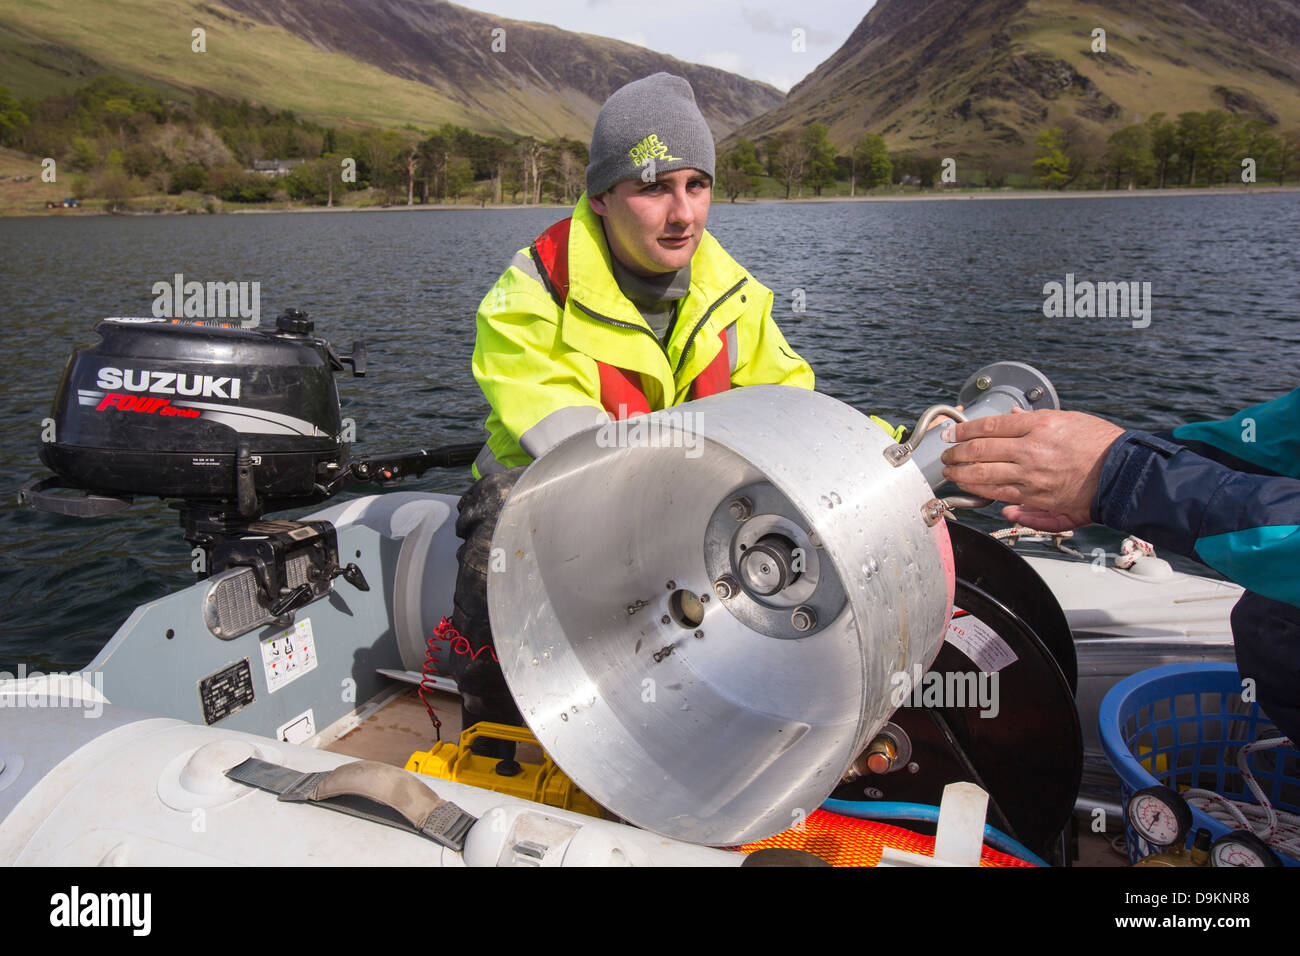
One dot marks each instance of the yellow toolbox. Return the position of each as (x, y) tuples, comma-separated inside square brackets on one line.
[(541, 783)]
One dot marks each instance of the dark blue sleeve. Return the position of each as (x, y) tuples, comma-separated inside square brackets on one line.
[(1261, 440), (1245, 526)]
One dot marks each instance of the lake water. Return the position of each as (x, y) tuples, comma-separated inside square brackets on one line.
[(903, 301)]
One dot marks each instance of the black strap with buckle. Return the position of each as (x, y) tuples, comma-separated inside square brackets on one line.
[(367, 789)]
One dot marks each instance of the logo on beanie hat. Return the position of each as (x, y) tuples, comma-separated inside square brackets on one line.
[(663, 103), (650, 148)]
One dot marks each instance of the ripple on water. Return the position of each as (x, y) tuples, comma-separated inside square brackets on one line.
[(903, 301)]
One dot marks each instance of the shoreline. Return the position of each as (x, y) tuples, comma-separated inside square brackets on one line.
[(938, 195)]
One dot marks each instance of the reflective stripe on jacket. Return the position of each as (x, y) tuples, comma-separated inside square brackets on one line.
[(539, 364)]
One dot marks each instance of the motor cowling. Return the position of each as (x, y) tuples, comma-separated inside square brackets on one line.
[(162, 407)]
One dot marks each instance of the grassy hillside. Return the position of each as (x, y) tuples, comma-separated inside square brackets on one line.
[(149, 41), (982, 79), (377, 62)]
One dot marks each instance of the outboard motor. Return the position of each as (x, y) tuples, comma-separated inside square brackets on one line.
[(229, 423), (217, 413)]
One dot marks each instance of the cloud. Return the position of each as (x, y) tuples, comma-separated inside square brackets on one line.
[(781, 81), (736, 63), (727, 60), (764, 21)]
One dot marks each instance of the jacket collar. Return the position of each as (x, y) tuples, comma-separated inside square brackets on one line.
[(593, 288)]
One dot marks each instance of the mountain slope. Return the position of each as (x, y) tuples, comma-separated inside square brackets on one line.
[(980, 78), (384, 62)]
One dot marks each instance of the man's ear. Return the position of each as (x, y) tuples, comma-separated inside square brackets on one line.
[(598, 205)]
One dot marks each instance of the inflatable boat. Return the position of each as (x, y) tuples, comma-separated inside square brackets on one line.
[(759, 604)]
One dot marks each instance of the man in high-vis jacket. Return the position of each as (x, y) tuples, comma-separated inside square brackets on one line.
[(626, 307), (629, 303), (1226, 493)]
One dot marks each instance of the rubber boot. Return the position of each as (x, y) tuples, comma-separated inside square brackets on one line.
[(484, 694)]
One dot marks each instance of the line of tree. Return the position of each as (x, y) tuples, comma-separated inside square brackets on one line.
[(805, 159), (120, 140), (1210, 148)]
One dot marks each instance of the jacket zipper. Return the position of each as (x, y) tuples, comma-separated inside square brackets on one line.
[(690, 339), (617, 322)]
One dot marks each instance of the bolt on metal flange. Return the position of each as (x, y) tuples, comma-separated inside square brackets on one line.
[(803, 618), (983, 382), (932, 511), (740, 508), (726, 586)]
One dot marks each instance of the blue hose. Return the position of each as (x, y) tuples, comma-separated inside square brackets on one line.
[(892, 810)]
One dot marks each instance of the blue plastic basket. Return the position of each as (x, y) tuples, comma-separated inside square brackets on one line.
[(1182, 725)]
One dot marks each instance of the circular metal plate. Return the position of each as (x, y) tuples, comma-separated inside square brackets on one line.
[(723, 733)]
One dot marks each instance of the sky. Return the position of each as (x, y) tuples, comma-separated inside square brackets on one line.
[(754, 38)]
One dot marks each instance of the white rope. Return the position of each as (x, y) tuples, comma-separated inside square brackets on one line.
[(1278, 828), (1020, 532), (1133, 550)]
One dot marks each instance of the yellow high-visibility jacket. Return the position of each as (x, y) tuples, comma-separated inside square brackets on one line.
[(537, 362)]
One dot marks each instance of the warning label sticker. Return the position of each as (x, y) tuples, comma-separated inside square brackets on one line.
[(288, 655), (979, 642)]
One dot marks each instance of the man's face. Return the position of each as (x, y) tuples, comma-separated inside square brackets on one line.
[(655, 227)]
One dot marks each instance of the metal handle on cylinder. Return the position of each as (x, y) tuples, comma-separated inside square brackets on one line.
[(993, 390), (897, 454)]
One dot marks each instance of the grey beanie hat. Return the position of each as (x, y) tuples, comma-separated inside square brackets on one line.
[(654, 119)]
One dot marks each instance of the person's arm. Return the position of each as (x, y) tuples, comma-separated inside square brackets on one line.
[(1260, 440), (1246, 527), (1062, 470), (764, 357), (767, 359)]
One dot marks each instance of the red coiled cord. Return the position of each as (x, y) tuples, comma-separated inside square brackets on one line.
[(456, 643)]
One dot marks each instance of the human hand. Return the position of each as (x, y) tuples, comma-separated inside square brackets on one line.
[(1047, 461)]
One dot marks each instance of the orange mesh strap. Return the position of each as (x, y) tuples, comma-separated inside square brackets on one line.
[(848, 841)]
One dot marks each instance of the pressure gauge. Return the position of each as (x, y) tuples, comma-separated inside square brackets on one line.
[(1160, 816), (1242, 848)]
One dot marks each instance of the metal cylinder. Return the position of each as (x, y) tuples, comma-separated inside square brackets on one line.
[(993, 390), (729, 728)]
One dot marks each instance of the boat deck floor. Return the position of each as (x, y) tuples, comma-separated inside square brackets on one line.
[(402, 726)]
